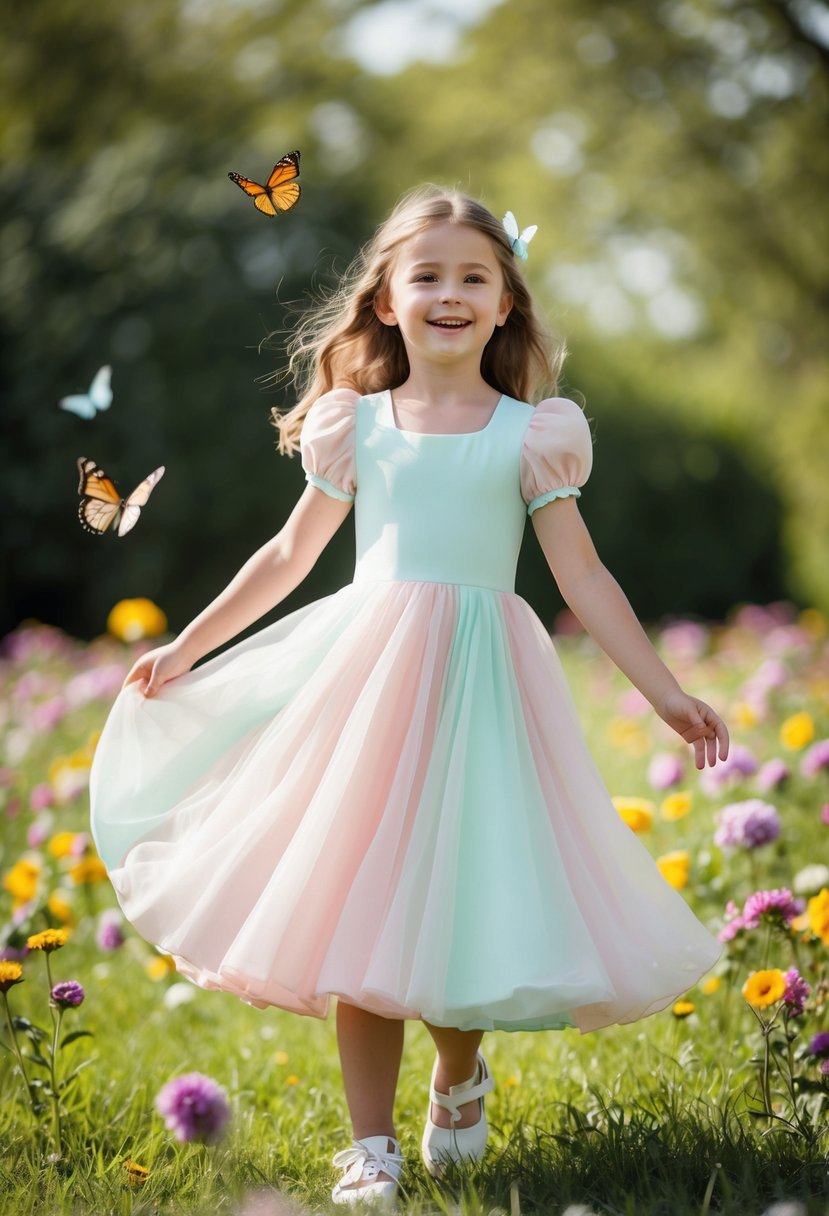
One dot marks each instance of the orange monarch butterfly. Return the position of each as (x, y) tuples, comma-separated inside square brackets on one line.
[(281, 191), (101, 504)]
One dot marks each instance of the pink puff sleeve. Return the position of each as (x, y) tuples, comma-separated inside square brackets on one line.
[(557, 453), (327, 444)]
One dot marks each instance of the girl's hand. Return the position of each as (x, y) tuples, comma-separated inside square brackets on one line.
[(157, 667), (698, 724)]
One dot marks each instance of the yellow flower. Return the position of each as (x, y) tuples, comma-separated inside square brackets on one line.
[(510, 1082), (60, 907), (712, 984), (813, 621), (817, 911), (628, 737), (48, 940), (677, 805), (69, 775), (61, 844), (159, 968), (21, 881), (674, 867), (11, 973), (797, 731), (138, 1173), (744, 714), (682, 1009), (131, 620), (763, 988), (280, 1057), (636, 812), (293, 1079), (88, 870)]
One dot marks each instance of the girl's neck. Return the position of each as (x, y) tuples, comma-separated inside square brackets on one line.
[(432, 389)]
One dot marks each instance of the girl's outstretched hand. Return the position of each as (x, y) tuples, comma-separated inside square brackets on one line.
[(156, 667), (698, 724)]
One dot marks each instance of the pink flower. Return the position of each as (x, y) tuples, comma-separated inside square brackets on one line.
[(740, 763), (41, 797), (685, 639), (746, 825), (815, 759), (797, 990), (45, 716), (193, 1107), (665, 770), (778, 903), (824, 814), (772, 775)]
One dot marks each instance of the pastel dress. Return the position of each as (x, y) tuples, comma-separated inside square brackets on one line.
[(386, 796)]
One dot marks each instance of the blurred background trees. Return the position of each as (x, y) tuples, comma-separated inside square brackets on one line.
[(673, 154)]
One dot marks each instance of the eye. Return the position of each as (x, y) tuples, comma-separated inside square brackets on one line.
[(475, 278), (426, 277)]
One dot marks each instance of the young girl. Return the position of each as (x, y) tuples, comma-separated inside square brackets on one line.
[(385, 797)]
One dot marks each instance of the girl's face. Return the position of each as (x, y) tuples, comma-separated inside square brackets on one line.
[(446, 293)]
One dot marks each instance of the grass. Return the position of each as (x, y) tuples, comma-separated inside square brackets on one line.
[(649, 1119)]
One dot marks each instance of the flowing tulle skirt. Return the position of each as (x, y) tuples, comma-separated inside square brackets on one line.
[(387, 797)]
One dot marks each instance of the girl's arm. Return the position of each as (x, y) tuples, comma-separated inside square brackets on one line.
[(264, 580), (598, 601)]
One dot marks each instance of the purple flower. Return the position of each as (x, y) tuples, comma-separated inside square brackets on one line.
[(740, 763), (68, 994), (665, 770), (746, 825), (819, 1045), (778, 903), (796, 992), (815, 759), (109, 935), (193, 1107), (824, 1068), (772, 775)]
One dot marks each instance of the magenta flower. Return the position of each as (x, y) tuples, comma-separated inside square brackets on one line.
[(815, 759), (746, 825), (797, 990), (777, 904), (69, 994), (110, 935), (193, 1107), (665, 770), (819, 1044), (772, 775)]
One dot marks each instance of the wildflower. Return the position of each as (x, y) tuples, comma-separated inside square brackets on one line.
[(193, 1107), (674, 868), (817, 912), (132, 620), (819, 1044), (280, 1057), (88, 870), (815, 759), (22, 880), (10, 974), (628, 737), (511, 1082), (684, 639), (810, 879), (776, 905), (48, 940), (41, 797), (61, 844), (676, 805), (159, 968), (664, 771), (797, 731), (682, 1009), (740, 763), (712, 985), (824, 814), (60, 907), (797, 990), (746, 714), (138, 1173), (747, 825), (293, 1079), (764, 988), (69, 994), (824, 1068), (636, 812), (110, 935), (69, 776), (772, 775)]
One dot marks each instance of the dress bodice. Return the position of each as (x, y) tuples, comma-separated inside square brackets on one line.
[(439, 508)]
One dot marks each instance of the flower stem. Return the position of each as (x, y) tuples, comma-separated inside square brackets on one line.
[(56, 1015), (17, 1051)]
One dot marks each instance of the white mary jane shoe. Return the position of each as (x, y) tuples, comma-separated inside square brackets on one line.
[(443, 1144), (363, 1162)]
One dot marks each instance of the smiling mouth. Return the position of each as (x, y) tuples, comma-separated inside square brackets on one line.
[(450, 324)]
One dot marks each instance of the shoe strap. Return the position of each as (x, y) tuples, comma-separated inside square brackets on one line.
[(465, 1091), (367, 1158)]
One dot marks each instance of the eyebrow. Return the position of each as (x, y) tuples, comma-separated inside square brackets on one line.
[(464, 265)]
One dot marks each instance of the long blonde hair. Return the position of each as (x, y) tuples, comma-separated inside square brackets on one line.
[(341, 342)]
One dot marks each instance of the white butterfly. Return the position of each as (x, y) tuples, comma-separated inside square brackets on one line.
[(101, 504), (518, 241), (99, 397)]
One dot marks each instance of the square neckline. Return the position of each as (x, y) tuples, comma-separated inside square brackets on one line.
[(438, 434)]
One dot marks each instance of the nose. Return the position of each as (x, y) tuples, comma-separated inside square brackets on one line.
[(449, 297)]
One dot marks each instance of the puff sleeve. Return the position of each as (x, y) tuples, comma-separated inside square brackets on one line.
[(557, 454), (327, 444)]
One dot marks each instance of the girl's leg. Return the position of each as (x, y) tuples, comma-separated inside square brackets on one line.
[(370, 1050), (457, 1055)]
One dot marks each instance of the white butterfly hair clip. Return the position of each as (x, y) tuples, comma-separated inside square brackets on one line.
[(518, 241)]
